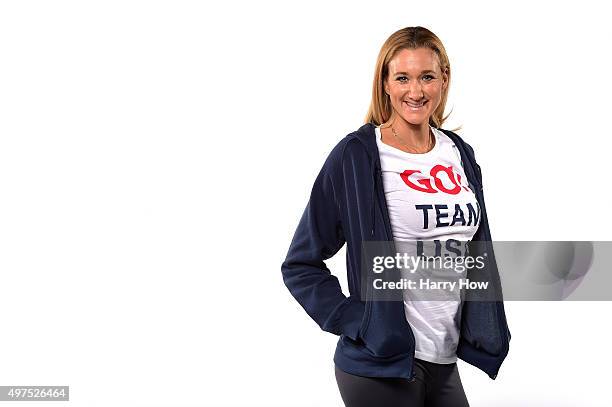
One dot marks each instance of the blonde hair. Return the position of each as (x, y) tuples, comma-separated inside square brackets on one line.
[(407, 38)]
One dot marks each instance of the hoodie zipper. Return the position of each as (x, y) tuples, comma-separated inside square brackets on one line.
[(379, 190)]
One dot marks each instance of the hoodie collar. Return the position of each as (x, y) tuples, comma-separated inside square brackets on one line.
[(367, 136)]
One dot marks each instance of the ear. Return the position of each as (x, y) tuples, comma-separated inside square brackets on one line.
[(445, 76)]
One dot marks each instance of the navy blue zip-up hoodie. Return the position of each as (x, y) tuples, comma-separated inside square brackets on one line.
[(347, 205)]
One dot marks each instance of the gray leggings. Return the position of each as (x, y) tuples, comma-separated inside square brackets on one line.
[(436, 385)]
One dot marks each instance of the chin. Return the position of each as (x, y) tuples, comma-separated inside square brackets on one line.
[(415, 120)]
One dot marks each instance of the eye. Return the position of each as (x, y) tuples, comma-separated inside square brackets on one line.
[(402, 78), (428, 76)]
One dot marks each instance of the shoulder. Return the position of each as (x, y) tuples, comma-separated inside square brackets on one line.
[(351, 149), (459, 142)]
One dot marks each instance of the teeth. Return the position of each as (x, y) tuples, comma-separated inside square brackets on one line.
[(415, 106)]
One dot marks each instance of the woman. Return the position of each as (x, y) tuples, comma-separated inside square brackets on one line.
[(386, 182)]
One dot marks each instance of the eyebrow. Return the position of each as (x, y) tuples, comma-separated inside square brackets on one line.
[(406, 73)]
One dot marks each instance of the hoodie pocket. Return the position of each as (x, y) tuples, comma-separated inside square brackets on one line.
[(385, 336)]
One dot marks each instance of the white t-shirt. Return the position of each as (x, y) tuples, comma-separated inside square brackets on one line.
[(429, 198)]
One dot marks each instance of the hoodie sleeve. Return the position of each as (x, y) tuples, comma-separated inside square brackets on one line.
[(479, 176), (318, 237)]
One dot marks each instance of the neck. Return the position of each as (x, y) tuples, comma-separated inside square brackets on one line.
[(413, 134)]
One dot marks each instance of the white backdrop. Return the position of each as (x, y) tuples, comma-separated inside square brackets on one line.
[(155, 158)]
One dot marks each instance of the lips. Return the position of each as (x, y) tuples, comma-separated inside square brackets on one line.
[(415, 106)]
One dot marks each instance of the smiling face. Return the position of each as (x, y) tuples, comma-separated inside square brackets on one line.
[(415, 84)]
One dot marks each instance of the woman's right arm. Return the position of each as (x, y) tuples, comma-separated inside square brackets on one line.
[(318, 237)]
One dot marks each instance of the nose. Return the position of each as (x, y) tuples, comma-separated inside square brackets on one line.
[(415, 91)]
